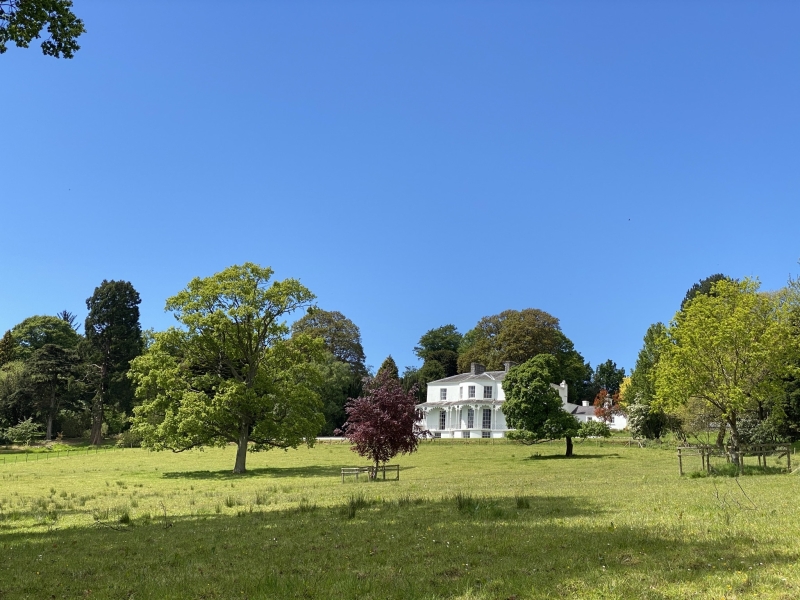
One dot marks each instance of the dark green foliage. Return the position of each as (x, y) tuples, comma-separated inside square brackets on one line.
[(390, 367), (22, 21), (342, 337), (703, 287), (645, 421), (24, 432), (49, 371), (445, 338), (446, 359), (608, 377), (518, 335), (533, 407), (114, 338), (642, 389), (7, 348), (338, 384), (69, 318)]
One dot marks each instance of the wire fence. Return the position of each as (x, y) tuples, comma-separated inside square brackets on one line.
[(31, 456)]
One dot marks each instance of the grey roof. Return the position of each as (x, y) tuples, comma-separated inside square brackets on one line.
[(582, 410), (490, 375)]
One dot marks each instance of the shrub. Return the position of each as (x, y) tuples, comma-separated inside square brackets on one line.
[(593, 429)]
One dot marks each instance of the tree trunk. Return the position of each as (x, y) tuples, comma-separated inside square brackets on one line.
[(97, 421), (721, 435), (241, 450), (569, 446), (51, 413), (97, 408)]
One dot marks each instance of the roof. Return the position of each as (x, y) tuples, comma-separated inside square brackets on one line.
[(461, 377), (465, 402), (582, 410)]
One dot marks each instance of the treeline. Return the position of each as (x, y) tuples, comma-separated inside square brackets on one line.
[(725, 369), (55, 380), (515, 336)]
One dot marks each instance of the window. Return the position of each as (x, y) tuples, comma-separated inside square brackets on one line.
[(487, 391), (442, 416), (471, 391), (465, 434), (443, 394), (487, 418), (486, 434), (460, 392), (470, 418), (437, 434)]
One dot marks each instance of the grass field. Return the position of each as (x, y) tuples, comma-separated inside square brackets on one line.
[(466, 521)]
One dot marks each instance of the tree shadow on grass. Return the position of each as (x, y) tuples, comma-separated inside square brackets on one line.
[(399, 549), (310, 471), (573, 457)]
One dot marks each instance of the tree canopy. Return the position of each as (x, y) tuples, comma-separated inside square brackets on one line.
[(22, 21), (389, 367), (729, 349), (34, 332), (231, 374), (532, 407), (341, 336), (445, 338), (703, 287), (518, 335)]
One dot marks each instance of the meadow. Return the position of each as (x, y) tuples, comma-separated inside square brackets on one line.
[(466, 520)]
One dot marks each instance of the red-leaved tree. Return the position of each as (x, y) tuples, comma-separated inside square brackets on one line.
[(382, 422), (606, 405)]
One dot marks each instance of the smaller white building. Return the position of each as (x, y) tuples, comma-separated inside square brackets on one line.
[(467, 405)]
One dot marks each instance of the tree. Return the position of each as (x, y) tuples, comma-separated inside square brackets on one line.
[(533, 407), (8, 348), (382, 422), (69, 318), (22, 21), (589, 429), (728, 349), (446, 337), (703, 287), (337, 385), (24, 432), (232, 374), (16, 404), (34, 332), (607, 405), (49, 371), (608, 377), (389, 367), (518, 335), (114, 338), (341, 336), (441, 346)]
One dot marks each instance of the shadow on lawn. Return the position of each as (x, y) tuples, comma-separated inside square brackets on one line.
[(311, 553), (310, 471), (573, 457)]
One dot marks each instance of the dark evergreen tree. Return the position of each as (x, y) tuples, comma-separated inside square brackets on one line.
[(114, 338), (49, 371), (703, 286), (7, 348), (390, 368)]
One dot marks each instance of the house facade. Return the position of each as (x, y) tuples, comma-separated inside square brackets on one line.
[(467, 405)]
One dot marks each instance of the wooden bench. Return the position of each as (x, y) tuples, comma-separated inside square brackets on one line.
[(372, 474)]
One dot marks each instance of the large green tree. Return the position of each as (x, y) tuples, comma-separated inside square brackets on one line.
[(22, 21), (114, 338), (49, 371), (8, 348), (34, 332), (729, 349), (341, 336), (390, 367), (231, 374), (703, 287), (532, 407), (518, 335), (644, 418)]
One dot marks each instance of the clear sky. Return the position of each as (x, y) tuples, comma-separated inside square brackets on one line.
[(413, 164)]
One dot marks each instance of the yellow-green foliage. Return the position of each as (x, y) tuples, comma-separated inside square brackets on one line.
[(466, 520)]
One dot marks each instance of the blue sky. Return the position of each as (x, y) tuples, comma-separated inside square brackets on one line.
[(413, 164)]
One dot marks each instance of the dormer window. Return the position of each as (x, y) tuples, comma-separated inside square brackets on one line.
[(471, 391), (443, 394), (487, 392)]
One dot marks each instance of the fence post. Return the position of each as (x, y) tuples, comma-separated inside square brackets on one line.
[(680, 463)]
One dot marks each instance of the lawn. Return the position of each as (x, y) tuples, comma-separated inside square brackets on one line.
[(466, 520)]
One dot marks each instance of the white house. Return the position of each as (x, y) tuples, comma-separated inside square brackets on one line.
[(468, 405)]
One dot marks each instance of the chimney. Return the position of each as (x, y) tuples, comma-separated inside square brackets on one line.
[(476, 368), (585, 402), (508, 364)]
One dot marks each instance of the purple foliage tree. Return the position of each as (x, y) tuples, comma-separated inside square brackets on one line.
[(382, 422)]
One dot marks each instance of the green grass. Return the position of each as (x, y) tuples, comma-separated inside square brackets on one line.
[(466, 520)]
